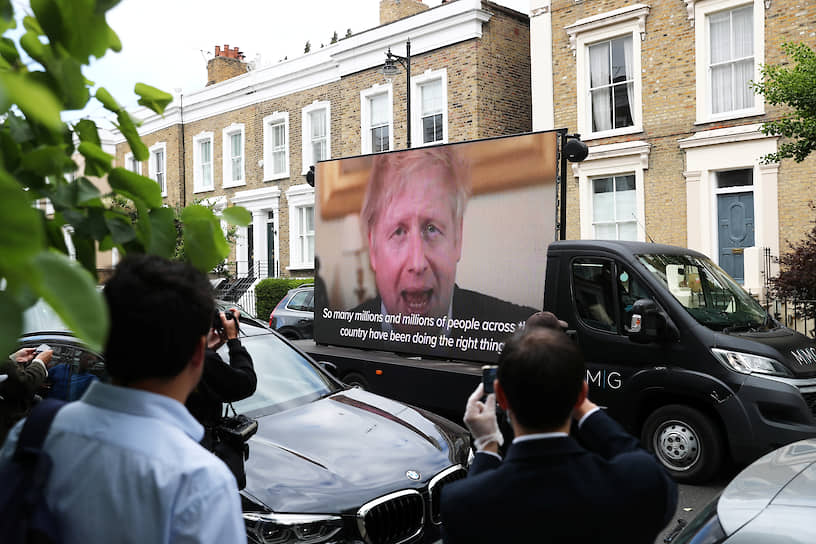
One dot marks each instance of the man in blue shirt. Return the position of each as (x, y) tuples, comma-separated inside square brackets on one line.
[(127, 464)]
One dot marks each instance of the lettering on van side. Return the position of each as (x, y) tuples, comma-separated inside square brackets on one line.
[(603, 379)]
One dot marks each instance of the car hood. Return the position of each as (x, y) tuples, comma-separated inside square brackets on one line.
[(339, 452), (793, 349), (783, 480)]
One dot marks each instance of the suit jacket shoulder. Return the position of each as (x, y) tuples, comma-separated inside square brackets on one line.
[(467, 303), (373, 305)]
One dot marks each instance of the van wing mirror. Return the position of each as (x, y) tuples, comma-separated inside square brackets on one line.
[(649, 323)]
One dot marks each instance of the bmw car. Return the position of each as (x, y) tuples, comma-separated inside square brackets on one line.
[(329, 463)]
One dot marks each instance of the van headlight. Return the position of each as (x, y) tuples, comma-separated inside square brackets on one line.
[(748, 363), (291, 528)]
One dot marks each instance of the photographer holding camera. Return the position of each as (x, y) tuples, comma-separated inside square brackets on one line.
[(221, 382)]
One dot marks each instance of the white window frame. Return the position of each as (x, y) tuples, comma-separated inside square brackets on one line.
[(599, 28), (307, 153), (365, 115), (702, 8), (151, 165), (131, 164), (298, 196), (226, 147), (612, 160), (198, 181), (416, 107), (268, 121)]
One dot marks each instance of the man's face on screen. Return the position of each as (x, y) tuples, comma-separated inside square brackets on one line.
[(414, 247)]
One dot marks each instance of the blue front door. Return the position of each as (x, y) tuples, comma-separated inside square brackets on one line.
[(735, 216)]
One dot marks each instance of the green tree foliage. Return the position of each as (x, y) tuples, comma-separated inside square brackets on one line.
[(307, 47), (793, 85), (797, 280), (334, 37), (40, 77), (348, 33)]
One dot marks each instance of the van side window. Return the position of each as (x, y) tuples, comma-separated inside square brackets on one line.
[(593, 290), (630, 289)]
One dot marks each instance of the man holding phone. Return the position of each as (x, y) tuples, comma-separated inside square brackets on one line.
[(598, 486), (24, 371)]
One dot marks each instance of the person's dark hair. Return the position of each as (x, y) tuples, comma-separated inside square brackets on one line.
[(541, 372), (159, 310)]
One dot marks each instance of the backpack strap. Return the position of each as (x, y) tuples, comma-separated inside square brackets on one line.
[(36, 428)]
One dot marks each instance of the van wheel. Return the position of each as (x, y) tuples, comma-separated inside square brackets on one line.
[(355, 379), (685, 441)]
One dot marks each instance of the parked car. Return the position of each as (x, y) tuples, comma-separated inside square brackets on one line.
[(293, 317), (329, 463), (772, 501)]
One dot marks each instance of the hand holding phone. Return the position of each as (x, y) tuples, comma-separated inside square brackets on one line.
[(41, 348)]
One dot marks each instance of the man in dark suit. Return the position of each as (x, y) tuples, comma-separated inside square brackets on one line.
[(595, 486)]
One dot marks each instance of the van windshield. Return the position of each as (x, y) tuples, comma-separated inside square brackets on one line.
[(707, 292)]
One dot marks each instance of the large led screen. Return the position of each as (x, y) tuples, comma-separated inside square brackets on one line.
[(435, 251)]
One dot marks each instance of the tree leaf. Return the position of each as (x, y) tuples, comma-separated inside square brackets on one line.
[(204, 242), (135, 187), (120, 228), (12, 324), (71, 291), (22, 235), (35, 100), (97, 162), (107, 100), (86, 191), (152, 98), (237, 215), (87, 132), (85, 253), (163, 232), (127, 127), (48, 161)]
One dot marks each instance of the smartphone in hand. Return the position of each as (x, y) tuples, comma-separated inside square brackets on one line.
[(41, 348), (488, 376)]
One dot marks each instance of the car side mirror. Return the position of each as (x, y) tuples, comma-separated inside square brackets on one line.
[(650, 323)]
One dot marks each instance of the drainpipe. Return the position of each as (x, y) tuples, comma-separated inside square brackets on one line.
[(183, 182)]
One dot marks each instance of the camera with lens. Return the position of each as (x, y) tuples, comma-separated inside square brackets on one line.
[(216, 323)]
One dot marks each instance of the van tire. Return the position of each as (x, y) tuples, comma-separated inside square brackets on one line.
[(356, 379), (685, 441)]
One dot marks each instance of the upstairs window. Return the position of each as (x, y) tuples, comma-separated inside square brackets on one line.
[(432, 117), (731, 64), (376, 119), (611, 86), (276, 146), (202, 162), (316, 134), (233, 146), (157, 167), (132, 164)]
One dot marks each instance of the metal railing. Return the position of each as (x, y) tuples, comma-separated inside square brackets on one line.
[(238, 279)]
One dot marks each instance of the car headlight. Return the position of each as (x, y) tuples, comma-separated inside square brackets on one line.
[(747, 363), (291, 528)]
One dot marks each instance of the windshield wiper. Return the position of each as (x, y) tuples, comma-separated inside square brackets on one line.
[(746, 326)]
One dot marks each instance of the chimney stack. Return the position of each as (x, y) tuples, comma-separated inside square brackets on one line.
[(226, 64), (394, 10)]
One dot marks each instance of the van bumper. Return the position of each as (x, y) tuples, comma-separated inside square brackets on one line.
[(777, 411)]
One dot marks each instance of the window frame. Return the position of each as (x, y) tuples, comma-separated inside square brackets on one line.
[(151, 166), (298, 196), (365, 115), (630, 20), (702, 45), (306, 122), (131, 160), (198, 185), (612, 160), (275, 119), (226, 147), (417, 83), (616, 222)]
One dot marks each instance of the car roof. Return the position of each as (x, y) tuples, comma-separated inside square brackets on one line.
[(782, 478)]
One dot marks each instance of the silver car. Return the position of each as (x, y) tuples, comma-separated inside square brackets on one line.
[(772, 501), (293, 316)]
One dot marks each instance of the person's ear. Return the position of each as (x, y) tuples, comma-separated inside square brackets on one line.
[(501, 397), (582, 394), (197, 359)]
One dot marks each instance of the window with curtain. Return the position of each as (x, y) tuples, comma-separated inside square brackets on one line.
[(158, 168), (614, 208), (305, 240), (731, 64), (278, 147), (205, 163), (611, 84), (431, 103), (379, 123), (237, 156), (317, 122)]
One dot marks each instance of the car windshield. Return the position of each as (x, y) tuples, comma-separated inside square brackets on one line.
[(707, 292), (285, 378), (40, 317)]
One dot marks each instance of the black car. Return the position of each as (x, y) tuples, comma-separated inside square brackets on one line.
[(329, 463)]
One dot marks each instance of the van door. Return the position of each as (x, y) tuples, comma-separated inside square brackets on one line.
[(603, 294)]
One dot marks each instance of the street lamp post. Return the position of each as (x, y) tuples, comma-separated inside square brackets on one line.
[(390, 69)]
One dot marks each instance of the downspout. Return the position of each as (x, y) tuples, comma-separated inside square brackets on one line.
[(182, 183)]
